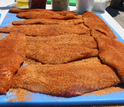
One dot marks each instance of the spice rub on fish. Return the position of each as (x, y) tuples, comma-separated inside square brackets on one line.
[(45, 30), (67, 80), (40, 15), (16, 10), (84, 40), (44, 14), (93, 21), (12, 54), (58, 54), (111, 52), (63, 12), (48, 22)]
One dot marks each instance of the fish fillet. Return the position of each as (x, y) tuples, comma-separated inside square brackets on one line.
[(93, 21), (48, 22), (68, 80), (68, 39), (96, 33), (64, 12), (58, 54), (40, 11), (45, 15), (45, 30), (16, 10), (111, 52), (12, 54)]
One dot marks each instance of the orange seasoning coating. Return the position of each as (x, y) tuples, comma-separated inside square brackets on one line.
[(111, 52), (12, 54), (58, 54), (20, 94), (68, 80), (45, 30), (93, 21)]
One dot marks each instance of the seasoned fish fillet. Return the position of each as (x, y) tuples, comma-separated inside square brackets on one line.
[(93, 21), (45, 30), (16, 10), (96, 33), (40, 11), (48, 22), (64, 12), (111, 52), (68, 80), (58, 54), (45, 15), (12, 54), (68, 39)]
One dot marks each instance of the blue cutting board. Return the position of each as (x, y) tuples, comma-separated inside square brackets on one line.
[(39, 99)]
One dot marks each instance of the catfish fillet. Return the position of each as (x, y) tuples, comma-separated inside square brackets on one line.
[(48, 22), (68, 80), (58, 54), (111, 52), (45, 30), (45, 15), (93, 21), (64, 12), (16, 10), (12, 54), (68, 39)]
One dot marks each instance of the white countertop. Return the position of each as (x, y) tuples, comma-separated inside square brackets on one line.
[(105, 15)]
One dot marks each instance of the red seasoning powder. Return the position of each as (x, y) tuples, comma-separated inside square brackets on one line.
[(24, 95), (105, 91), (20, 94), (1, 36)]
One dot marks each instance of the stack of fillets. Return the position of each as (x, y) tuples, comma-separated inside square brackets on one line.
[(66, 54)]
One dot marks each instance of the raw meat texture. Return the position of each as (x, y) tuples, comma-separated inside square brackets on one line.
[(45, 30), (67, 40), (48, 22), (58, 54), (111, 52), (68, 80), (12, 54), (93, 21)]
